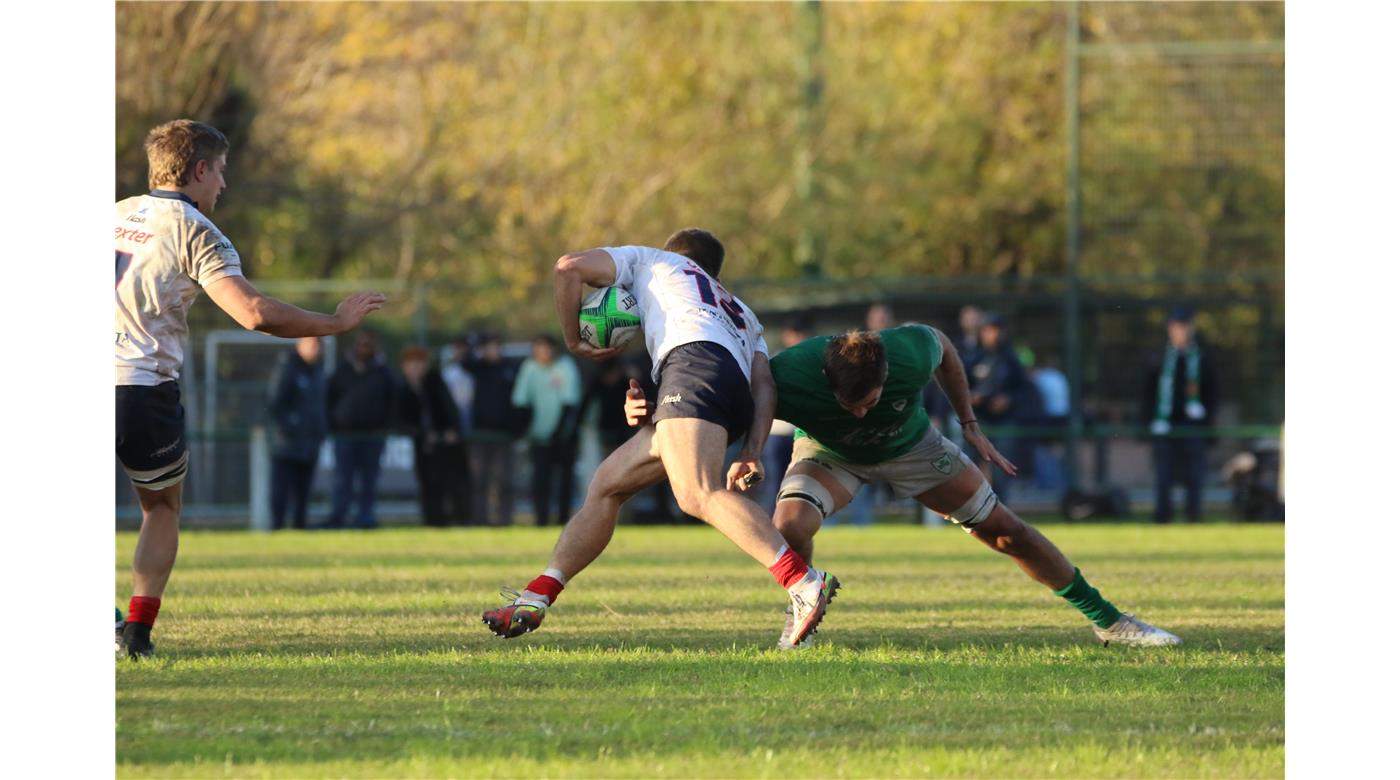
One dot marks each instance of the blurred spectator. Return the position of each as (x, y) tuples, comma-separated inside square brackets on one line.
[(360, 398), (1054, 403), (777, 451), (1179, 398), (495, 427), (460, 383), (968, 344), (427, 410), (997, 382), (548, 385), (1054, 392), (1028, 411), (297, 406), (879, 317)]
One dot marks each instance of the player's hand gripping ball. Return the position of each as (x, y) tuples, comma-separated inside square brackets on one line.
[(609, 318)]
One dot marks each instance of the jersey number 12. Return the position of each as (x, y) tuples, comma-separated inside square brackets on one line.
[(727, 304)]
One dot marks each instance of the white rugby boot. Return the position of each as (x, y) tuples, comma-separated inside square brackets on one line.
[(1135, 633), (785, 641), (808, 602)]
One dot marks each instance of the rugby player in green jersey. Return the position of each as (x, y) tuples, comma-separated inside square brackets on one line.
[(857, 402)]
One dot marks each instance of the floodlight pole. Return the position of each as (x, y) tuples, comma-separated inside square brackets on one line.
[(1073, 353), (808, 251)]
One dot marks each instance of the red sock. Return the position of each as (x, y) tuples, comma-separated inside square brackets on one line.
[(143, 609), (789, 568), (547, 586)]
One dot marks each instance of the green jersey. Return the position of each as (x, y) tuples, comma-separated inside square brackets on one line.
[(887, 431)]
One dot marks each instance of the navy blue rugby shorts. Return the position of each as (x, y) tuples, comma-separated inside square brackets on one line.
[(151, 434), (703, 380)]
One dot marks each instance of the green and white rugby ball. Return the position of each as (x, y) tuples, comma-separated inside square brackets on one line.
[(609, 317)]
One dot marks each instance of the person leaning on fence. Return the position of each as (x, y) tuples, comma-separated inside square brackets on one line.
[(297, 408), (495, 428), (360, 399), (1179, 397), (548, 385), (429, 414)]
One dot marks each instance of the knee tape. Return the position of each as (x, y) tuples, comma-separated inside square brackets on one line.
[(802, 487), (977, 508)]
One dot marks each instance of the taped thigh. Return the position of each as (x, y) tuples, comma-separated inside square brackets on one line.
[(975, 509), (805, 487), (161, 478)]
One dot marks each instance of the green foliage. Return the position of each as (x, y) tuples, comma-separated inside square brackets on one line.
[(475, 142), (360, 655)]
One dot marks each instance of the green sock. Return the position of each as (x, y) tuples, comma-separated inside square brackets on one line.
[(1085, 598)]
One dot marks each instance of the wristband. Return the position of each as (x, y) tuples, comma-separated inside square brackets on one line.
[(967, 422)]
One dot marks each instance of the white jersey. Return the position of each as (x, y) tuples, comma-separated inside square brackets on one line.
[(682, 304), (167, 251)]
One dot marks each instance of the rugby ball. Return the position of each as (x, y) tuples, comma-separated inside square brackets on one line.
[(609, 317)]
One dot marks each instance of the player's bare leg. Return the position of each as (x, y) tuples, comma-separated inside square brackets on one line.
[(798, 520), (693, 453), (151, 565), (631, 468), (159, 540), (1003, 531), (1042, 561)]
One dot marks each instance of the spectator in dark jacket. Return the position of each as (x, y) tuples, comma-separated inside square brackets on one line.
[(1179, 398), (997, 381), (428, 413), (495, 427), (297, 406), (361, 402)]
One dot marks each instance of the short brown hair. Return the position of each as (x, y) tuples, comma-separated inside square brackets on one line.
[(172, 149), (854, 364), (700, 246)]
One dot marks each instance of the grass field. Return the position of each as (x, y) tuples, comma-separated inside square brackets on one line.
[(361, 655)]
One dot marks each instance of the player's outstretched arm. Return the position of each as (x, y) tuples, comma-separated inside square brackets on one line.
[(747, 469), (255, 311), (594, 267), (952, 377)]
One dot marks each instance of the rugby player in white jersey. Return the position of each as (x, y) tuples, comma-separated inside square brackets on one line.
[(167, 251), (711, 366)]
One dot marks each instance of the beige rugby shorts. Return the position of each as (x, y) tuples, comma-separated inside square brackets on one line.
[(933, 461)]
